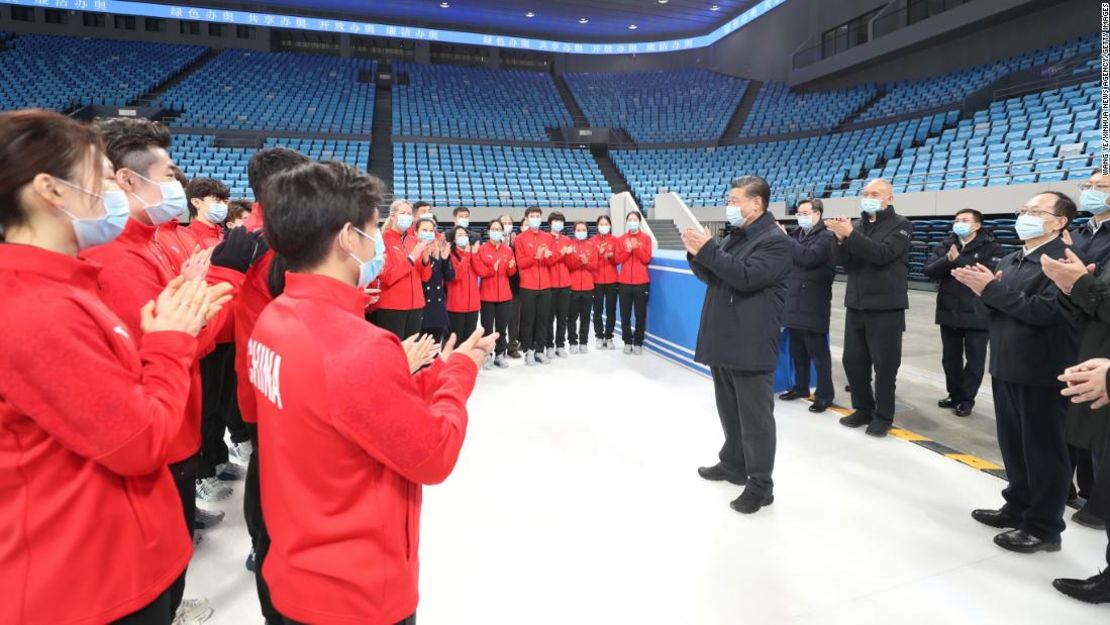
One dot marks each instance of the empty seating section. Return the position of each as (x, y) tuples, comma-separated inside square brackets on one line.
[(197, 156), (254, 90), (778, 110), (1041, 137), (660, 107), (795, 168), (475, 103), (45, 71), (498, 176)]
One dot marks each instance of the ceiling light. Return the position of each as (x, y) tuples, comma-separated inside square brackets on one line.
[(664, 1), (715, 7), (529, 14), (583, 20), (632, 27), (444, 5)]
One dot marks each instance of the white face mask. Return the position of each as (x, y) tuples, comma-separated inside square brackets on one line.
[(171, 206)]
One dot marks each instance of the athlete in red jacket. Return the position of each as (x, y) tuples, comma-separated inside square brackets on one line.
[(350, 435), (633, 253), (400, 308), (463, 297), (535, 254), (605, 283), (560, 287), (494, 263), (93, 529), (581, 263)]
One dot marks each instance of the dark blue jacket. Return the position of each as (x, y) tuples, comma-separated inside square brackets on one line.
[(957, 305), (809, 288), (435, 294), (1092, 245)]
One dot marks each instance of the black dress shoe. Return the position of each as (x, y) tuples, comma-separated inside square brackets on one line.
[(722, 473), (947, 402), (750, 501), (963, 409), (819, 406), (878, 429), (856, 419), (996, 518), (1086, 519), (1021, 541), (1091, 590), (791, 395), (515, 354)]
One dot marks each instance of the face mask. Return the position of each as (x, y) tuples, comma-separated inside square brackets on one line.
[(426, 237), (217, 213), (1094, 201), (1029, 227), (603, 229), (172, 205), (733, 215), (404, 222), (871, 205), (633, 226), (534, 223), (426, 216), (103, 229), (462, 241), (496, 236), (556, 226), (507, 229), (962, 229), (805, 222), (462, 221), (369, 270), (581, 236)]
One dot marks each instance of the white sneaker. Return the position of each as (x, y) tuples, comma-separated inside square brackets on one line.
[(192, 612), (637, 350), (230, 471), (488, 364), (241, 452), (628, 348), (210, 489), (560, 352), (550, 353), (582, 349), (541, 359), (573, 349), (530, 359)]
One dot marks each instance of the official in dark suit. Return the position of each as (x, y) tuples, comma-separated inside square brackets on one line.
[(961, 315), (738, 339), (808, 305), (1033, 342)]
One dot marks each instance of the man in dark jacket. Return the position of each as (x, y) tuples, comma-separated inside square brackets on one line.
[(874, 251), (960, 313), (808, 303), (1033, 342), (738, 338)]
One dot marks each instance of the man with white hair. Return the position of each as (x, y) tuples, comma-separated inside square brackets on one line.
[(400, 308), (874, 251)]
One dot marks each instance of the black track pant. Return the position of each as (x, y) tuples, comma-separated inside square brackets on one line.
[(633, 296), (402, 323), (185, 478), (462, 325), (535, 306), (256, 527), (495, 317), (605, 300), (560, 305), (578, 317)]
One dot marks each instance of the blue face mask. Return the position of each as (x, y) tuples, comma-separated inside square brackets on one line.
[(871, 205), (805, 222), (603, 230), (369, 270), (1094, 201), (426, 237), (581, 236), (462, 221), (556, 226), (173, 202), (633, 226), (496, 236), (962, 229), (217, 213), (404, 221), (103, 229), (1029, 227), (462, 241), (534, 223), (733, 215)]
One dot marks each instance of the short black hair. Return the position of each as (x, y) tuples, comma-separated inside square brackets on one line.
[(533, 210), (814, 203), (496, 221), (976, 215), (634, 212), (754, 186), (201, 188), (556, 216), (606, 218), (237, 209), (1065, 206), (460, 209), (265, 163), (581, 223), (454, 234), (311, 203), (419, 205), (129, 141)]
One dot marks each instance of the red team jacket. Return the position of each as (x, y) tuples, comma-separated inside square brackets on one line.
[(606, 272), (248, 306), (462, 292), (207, 236), (582, 273), (342, 473), (634, 264), (495, 284), (132, 276), (560, 275), (91, 525), (535, 274), (402, 281)]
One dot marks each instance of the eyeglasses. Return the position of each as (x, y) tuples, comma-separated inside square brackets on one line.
[(1086, 186), (1033, 212)]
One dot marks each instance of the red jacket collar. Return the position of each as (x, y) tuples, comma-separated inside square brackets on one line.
[(324, 288), (214, 229), (136, 232), (51, 265)]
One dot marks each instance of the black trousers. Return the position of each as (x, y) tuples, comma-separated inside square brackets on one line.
[(495, 317), (185, 478), (409, 621), (233, 418), (560, 305), (1031, 436), (873, 340), (605, 300), (462, 325), (156, 612), (806, 347), (256, 527), (746, 406), (633, 296), (578, 317), (514, 320), (402, 323), (963, 377), (214, 386), (535, 307)]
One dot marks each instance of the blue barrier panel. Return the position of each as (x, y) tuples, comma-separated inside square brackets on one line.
[(674, 314)]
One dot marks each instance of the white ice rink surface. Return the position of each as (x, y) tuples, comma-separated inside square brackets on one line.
[(576, 501)]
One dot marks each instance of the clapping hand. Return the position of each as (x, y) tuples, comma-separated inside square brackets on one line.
[(953, 253), (420, 350), (1066, 272), (375, 294), (181, 307), (197, 265), (693, 240), (1086, 382), (840, 226), (975, 277), (477, 347)]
